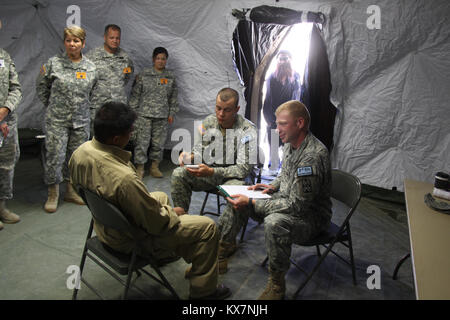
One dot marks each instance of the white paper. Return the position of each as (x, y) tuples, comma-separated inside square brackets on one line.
[(255, 194)]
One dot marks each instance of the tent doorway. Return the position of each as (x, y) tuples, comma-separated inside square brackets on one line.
[(296, 44), (256, 42)]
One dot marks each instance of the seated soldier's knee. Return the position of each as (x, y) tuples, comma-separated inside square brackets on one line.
[(178, 174), (273, 224)]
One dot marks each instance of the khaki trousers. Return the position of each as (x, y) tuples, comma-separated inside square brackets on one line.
[(196, 240)]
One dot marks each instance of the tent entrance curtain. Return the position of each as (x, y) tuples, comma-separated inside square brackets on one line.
[(256, 41)]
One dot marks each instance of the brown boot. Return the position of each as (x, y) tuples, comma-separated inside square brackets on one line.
[(140, 170), (52, 200), (275, 288), (226, 249), (72, 196), (154, 170), (7, 216)]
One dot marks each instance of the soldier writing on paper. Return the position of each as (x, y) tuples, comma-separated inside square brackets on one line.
[(300, 207)]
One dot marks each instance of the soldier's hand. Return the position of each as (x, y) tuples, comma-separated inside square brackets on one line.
[(5, 129), (184, 157), (238, 201), (179, 211), (4, 111), (202, 171), (267, 188)]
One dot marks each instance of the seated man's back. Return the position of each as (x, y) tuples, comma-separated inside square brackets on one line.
[(103, 166)]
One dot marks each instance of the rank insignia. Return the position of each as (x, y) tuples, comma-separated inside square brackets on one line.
[(81, 75)]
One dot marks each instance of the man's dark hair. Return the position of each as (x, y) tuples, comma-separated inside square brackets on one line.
[(113, 119), (114, 27), (159, 50)]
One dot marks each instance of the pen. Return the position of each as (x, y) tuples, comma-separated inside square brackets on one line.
[(224, 192)]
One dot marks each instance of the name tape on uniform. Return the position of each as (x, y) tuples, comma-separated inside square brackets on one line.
[(304, 171)]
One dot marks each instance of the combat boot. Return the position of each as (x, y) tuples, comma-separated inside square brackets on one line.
[(154, 170), (275, 288), (72, 196), (140, 171), (226, 249), (52, 200), (7, 216)]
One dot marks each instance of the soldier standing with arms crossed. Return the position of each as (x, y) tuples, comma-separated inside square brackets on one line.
[(10, 96), (64, 86)]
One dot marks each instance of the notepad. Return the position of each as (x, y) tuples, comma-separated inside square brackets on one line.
[(232, 189)]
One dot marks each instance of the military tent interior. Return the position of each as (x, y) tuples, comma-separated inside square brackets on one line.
[(376, 83)]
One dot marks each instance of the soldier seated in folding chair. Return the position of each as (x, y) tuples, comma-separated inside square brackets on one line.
[(103, 166), (300, 207), (225, 154)]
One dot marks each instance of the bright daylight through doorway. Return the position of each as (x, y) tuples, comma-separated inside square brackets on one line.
[(296, 42)]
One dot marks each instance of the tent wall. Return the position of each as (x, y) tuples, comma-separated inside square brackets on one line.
[(390, 85)]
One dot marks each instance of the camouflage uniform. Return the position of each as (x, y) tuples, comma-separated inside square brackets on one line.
[(10, 96), (227, 170), (114, 72), (154, 98), (300, 208), (64, 88)]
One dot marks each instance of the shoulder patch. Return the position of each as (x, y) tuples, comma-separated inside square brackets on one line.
[(201, 129), (43, 70), (304, 171), (246, 139)]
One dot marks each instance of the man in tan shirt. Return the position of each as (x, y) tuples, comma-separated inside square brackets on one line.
[(103, 166)]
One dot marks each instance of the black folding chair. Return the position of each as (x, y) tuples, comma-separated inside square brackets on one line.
[(113, 262), (346, 188)]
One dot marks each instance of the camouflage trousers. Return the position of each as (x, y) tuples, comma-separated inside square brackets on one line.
[(150, 132), (280, 231), (9, 155), (60, 143), (183, 183)]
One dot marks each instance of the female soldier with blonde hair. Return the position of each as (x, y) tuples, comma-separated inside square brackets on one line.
[(64, 86)]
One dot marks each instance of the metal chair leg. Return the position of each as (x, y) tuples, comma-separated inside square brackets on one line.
[(83, 258), (263, 264), (399, 264), (244, 228), (204, 204), (218, 204), (350, 248)]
